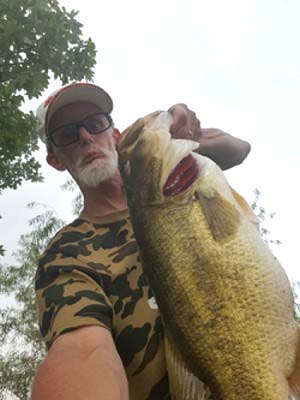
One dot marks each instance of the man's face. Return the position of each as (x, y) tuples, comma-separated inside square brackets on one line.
[(93, 158)]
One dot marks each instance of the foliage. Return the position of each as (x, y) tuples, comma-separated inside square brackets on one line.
[(263, 217), (22, 349), (38, 39), (2, 251), (77, 203), (296, 291)]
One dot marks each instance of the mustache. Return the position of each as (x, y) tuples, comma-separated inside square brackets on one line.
[(80, 162)]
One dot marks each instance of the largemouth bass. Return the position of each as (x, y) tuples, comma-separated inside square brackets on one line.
[(225, 300)]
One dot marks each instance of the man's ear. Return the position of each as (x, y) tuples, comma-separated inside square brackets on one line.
[(116, 135), (55, 162)]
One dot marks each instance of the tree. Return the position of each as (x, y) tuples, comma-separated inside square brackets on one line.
[(38, 39), (22, 348), (263, 216), (77, 202)]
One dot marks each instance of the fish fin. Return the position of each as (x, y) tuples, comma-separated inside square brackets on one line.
[(184, 385), (294, 379), (245, 207), (223, 217)]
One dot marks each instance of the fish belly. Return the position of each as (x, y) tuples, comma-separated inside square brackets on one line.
[(227, 305)]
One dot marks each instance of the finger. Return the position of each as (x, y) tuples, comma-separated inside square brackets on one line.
[(180, 116), (178, 106)]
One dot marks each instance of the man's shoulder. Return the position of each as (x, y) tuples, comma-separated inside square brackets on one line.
[(84, 236), (82, 228), (71, 232)]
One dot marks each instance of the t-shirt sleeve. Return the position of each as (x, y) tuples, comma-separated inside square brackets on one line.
[(70, 294)]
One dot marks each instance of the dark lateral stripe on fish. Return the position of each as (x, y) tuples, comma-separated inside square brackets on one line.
[(182, 177)]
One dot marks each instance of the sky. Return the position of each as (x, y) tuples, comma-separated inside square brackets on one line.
[(235, 63)]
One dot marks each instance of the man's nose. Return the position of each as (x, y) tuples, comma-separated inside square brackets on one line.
[(84, 135)]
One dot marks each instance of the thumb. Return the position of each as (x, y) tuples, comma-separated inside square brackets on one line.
[(179, 114)]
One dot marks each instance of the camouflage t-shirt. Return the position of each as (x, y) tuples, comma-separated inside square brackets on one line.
[(91, 274)]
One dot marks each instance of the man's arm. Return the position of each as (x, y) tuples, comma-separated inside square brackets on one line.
[(82, 365), (226, 150)]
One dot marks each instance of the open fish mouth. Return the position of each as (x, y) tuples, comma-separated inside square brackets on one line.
[(182, 177)]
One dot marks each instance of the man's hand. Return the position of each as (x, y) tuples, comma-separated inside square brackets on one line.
[(185, 123), (224, 149)]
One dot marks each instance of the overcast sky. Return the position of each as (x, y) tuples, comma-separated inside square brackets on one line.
[(236, 63)]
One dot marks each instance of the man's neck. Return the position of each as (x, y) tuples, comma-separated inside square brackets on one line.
[(107, 198)]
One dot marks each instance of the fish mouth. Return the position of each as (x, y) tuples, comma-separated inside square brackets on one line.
[(182, 177)]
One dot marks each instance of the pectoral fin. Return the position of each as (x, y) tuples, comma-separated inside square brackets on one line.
[(223, 217)]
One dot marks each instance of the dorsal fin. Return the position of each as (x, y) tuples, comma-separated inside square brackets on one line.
[(245, 207)]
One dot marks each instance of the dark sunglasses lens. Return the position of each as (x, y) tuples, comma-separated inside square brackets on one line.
[(65, 135), (96, 123)]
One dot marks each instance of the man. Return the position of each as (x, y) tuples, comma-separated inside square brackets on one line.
[(97, 312)]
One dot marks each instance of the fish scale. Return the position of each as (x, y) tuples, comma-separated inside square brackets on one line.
[(226, 302)]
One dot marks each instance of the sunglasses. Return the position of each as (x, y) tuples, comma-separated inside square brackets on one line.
[(69, 134)]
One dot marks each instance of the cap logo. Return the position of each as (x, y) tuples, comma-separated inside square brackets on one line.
[(48, 101)]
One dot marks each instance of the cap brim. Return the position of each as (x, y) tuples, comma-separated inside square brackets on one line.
[(79, 92)]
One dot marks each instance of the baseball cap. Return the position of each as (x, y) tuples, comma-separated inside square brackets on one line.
[(72, 93)]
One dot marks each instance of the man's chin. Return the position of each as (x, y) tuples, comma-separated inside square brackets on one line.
[(94, 176)]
